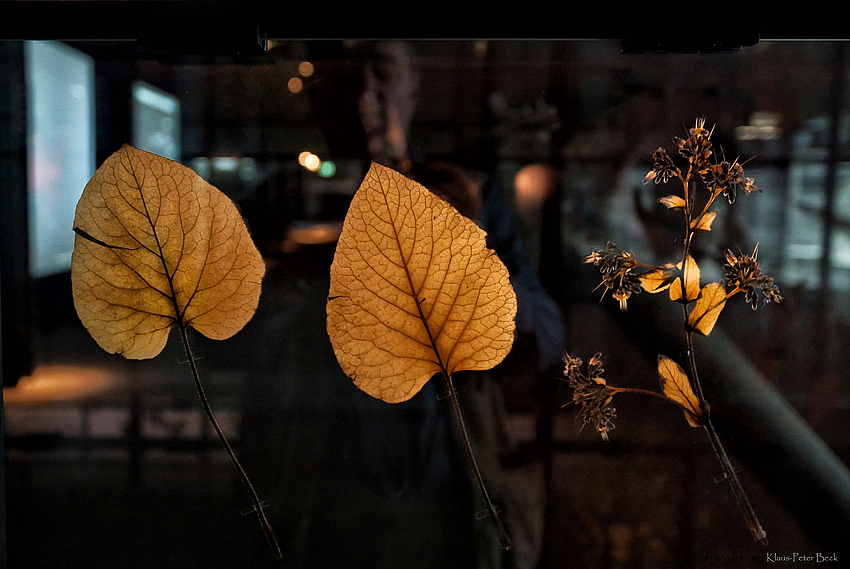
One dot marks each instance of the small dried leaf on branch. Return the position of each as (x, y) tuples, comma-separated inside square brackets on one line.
[(707, 308), (676, 386), (691, 275), (673, 202), (659, 279), (703, 222)]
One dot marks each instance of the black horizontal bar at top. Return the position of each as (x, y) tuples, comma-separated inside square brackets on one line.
[(244, 23)]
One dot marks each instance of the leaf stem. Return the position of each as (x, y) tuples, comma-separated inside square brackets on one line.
[(504, 538), (255, 500), (615, 390)]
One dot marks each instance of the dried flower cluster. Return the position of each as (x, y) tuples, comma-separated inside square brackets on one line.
[(591, 392), (743, 274), (722, 177), (625, 275), (617, 268)]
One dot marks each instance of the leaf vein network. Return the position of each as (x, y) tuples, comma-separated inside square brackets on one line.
[(385, 325)]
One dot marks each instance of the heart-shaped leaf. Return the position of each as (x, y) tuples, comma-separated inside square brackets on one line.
[(414, 290), (156, 245)]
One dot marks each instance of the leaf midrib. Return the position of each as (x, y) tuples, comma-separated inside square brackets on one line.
[(159, 252), (413, 293)]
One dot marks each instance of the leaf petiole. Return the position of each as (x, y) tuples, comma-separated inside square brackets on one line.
[(492, 512), (257, 505)]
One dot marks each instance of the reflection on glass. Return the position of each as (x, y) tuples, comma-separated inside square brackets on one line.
[(60, 148)]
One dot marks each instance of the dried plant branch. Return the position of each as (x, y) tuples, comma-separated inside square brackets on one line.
[(625, 275)]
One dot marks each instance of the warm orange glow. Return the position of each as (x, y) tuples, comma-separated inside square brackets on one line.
[(295, 85), (315, 233), (534, 184), (312, 163), (50, 384), (309, 161), (305, 68)]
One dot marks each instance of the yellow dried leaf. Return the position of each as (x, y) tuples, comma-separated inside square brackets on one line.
[(675, 385), (707, 308), (691, 276), (703, 222), (673, 202), (156, 245), (414, 290), (676, 290), (658, 279)]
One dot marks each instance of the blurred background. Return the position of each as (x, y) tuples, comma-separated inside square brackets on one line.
[(544, 143)]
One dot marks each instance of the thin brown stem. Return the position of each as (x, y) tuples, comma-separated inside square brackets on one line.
[(615, 390), (255, 500), (492, 512), (752, 520)]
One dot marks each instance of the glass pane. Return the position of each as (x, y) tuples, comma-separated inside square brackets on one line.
[(545, 145)]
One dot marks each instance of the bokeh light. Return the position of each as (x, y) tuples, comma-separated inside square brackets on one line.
[(327, 169), (534, 184), (309, 161), (305, 68), (295, 85)]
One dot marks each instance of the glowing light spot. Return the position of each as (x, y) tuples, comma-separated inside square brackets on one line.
[(225, 163), (305, 68), (312, 163), (309, 161), (295, 85), (534, 184), (59, 383), (308, 233), (327, 169)]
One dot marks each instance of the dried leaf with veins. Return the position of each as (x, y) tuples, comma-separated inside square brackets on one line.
[(707, 308), (675, 385), (703, 222), (156, 245), (414, 290), (658, 279), (691, 275), (673, 202)]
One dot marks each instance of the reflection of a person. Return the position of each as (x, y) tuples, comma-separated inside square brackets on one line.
[(398, 469)]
